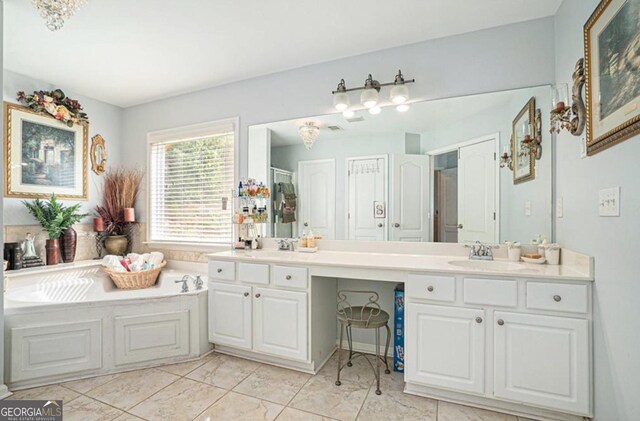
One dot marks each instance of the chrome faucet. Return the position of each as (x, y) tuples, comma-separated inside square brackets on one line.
[(286, 244), (480, 251), (197, 282), (184, 280)]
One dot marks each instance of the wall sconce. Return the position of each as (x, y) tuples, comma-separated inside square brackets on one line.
[(570, 117), (369, 97), (505, 158), (533, 140)]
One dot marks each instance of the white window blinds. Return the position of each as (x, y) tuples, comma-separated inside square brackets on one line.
[(191, 171)]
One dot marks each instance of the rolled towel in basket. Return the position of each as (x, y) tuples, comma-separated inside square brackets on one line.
[(155, 258), (113, 263)]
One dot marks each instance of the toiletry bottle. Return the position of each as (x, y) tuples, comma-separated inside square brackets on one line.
[(304, 238), (240, 191), (311, 240)]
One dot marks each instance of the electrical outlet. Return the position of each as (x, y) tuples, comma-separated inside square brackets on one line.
[(609, 202), (527, 208), (559, 207)]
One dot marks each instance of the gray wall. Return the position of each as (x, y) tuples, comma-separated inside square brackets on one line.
[(484, 61), (613, 241), (105, 119)]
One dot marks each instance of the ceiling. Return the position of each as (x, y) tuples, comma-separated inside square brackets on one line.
[(127, 52)]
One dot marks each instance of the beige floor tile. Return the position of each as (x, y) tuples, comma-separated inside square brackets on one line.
[(525, 419), (182, 369), (87, 409), (85, 385), (234, 406), (128, 417), (290, 414), (453, 412), (274, 384), (360, 371), (180, 401), (224, 371), (394, 404), (131, 388), (321, 396), (51, 392)]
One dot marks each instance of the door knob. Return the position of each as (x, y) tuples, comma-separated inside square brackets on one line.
[(246, 294), (380, 225), (396, 225), (460, 226), (500, 322)]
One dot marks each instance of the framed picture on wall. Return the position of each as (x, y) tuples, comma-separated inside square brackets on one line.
[(43, 155), (524, 168), (612, 73)]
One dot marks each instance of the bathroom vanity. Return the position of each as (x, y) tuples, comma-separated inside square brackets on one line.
[(494, 334)]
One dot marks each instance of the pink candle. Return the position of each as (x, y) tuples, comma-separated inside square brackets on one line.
[(129, 215), (98, 224)]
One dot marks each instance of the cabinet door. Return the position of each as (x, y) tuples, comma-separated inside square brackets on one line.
[(542, 360), (445, 347), (280, 323), (230, 315)]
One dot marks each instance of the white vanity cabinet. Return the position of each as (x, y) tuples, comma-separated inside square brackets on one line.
[(230, 314)]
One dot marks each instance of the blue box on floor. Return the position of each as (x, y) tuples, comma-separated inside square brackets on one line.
[(398, 328)]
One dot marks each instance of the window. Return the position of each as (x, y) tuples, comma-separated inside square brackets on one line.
[(191, 177)]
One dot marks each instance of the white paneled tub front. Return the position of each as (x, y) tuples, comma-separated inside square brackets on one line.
[(71, 322)]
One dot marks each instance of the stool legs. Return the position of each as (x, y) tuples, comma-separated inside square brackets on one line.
[(377, 369), (350, 342), (338, 383), (386, 350)]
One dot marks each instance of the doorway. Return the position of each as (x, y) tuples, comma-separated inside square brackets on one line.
[(445, 206)]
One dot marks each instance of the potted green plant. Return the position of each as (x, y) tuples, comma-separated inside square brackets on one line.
[(121, 188), (57, 221)]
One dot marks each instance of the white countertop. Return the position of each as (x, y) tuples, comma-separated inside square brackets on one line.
[(409, 263)]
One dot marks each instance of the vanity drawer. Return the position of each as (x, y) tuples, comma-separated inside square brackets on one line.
[(572, 298), (290, 277), (253, 273), (219, 269), (429, 287), (491, 292)]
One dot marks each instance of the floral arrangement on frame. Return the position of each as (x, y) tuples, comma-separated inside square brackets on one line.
[(57, 104)]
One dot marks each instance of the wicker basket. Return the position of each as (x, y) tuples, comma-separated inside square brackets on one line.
[(135, 280)]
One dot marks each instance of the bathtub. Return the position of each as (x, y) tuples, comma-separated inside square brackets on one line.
[(70, 322)]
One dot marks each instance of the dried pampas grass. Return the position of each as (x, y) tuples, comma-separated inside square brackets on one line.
[(121, 189)]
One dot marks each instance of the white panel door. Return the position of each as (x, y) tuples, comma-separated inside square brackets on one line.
[(445, 347), (542, 360), (367, 198), (317, 194), (280, 323), (477, 192), (230, 315), (447, 209), (409, 212)]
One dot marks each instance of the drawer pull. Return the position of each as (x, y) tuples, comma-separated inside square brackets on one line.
[(478, 319), (557, 298), (257, 295), (288, 277), (219, 270), (500, 322), (246, 294), (430, 288)]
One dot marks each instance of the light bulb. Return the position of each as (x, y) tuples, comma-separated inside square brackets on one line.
[(375, 110), (369, 97), (348, 113), (399, 94), (402, 108), (341, 101)]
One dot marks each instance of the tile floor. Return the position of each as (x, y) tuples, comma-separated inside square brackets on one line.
[(219, 387)]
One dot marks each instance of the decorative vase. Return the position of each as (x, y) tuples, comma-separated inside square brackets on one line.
[(68, 242), (53, 252), (116, 244)]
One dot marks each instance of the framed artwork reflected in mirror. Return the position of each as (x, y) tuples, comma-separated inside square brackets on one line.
[(524, 168)]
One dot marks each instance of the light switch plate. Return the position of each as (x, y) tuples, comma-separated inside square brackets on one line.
[(527, 207), (609, 202), (559, 207), (583, 146)]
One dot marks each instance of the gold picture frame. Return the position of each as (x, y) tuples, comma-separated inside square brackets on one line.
[(612, 77), (524, 157), (42, 155)]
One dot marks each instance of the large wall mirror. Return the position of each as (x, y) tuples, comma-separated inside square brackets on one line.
[(431, 173)]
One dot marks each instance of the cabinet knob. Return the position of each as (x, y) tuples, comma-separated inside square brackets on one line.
[(257, 295), (430, 288), (460, 226), (246, 294), (306, 224), (500, 322), (288, 277), (478, 319), (380, 225), (396, 225), (557, 298), (219, 270)]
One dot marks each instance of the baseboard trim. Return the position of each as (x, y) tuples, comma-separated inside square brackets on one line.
[(4, 391)]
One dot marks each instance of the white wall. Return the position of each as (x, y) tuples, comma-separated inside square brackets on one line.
[(105, 119), (484, 61), (1, 203), (613, 241)]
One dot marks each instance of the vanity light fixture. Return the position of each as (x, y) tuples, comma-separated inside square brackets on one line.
[(402, 108), (571, 117), (375, 110), (369, 97), (309, 133), (348, 113)]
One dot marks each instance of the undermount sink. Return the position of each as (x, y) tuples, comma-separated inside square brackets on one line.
[(491, 265)]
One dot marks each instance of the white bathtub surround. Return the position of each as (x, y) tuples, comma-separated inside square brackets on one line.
[(509, 336), (71, 322)]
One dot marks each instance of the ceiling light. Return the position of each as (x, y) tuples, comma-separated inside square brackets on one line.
[(309, 133), (400, 91), (348, 113), (402, 108), (54, 12), (375, 110), (340, 97)]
